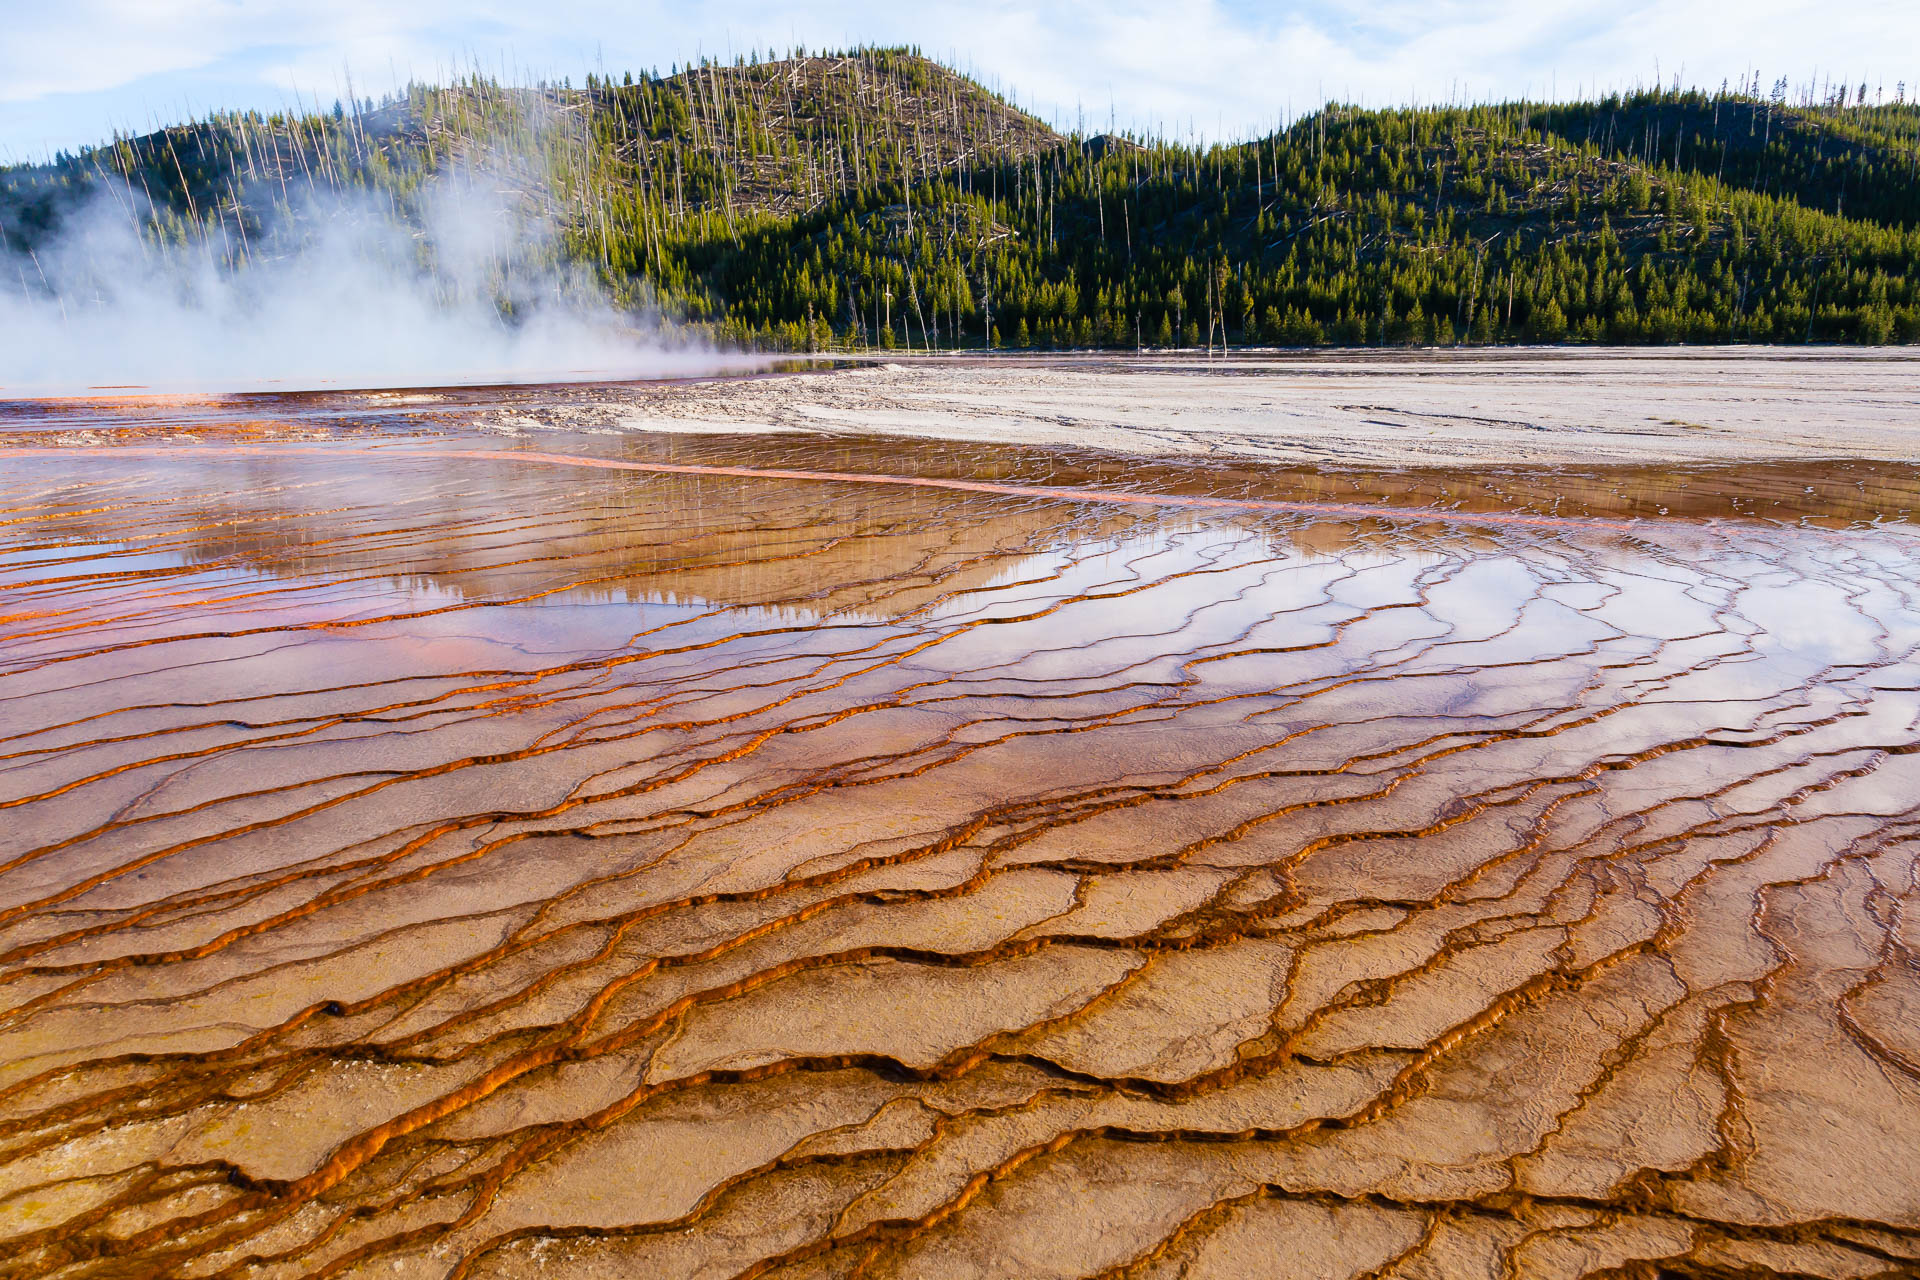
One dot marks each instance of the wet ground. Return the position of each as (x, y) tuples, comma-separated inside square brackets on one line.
[(433, 853)]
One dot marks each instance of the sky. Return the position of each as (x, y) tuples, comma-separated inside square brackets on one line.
[(72, 71)]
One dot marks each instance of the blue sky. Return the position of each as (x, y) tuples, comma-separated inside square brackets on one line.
[(73, 70)]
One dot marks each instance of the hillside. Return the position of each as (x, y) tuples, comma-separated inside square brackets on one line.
[(1863, 161), (877, 198)]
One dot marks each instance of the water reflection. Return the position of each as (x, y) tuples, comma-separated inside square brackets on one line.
[(448, 863)]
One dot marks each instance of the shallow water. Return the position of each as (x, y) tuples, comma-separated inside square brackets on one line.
[(429, 861)]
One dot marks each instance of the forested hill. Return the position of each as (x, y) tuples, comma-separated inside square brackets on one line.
[(878, 198)]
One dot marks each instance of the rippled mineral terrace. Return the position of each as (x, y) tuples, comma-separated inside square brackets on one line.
[(429, 853)]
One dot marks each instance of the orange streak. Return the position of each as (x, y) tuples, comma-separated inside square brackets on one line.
[(1421, 514)]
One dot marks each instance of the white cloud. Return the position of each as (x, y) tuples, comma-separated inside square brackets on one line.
[(1227, 67)]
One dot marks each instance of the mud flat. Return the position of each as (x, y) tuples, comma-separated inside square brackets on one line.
[(428, 852), (1446, 408)]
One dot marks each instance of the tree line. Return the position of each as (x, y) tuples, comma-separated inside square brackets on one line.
[(875, 199)]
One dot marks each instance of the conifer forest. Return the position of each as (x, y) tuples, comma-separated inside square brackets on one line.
[(879, 199)]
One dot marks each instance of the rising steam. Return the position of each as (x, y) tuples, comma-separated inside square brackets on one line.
[(463, 282)]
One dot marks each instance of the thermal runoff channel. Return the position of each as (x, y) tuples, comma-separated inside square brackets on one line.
[(743, 855)]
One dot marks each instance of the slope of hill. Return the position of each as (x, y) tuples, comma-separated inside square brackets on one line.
[(877, 198), (1863, 161)]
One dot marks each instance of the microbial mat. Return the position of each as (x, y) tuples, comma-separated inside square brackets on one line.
[(426, 855)]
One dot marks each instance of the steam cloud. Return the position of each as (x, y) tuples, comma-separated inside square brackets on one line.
[(338, 290)]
